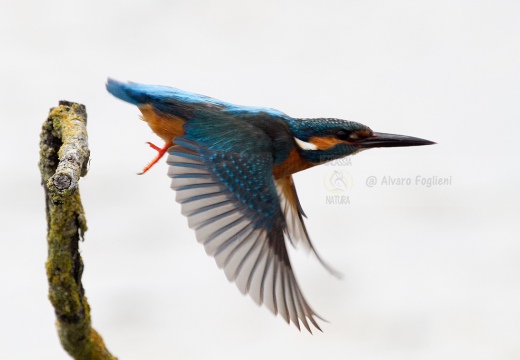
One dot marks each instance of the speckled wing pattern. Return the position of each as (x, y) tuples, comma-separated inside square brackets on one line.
[(231, 201), (221, 169)]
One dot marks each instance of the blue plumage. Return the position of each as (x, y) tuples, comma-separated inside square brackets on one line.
[(231, 167), (167, 98)]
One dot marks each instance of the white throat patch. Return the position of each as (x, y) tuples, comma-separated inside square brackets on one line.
[(304, 145)]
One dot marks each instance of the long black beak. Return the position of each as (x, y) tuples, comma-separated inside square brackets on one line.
[(390, 140)]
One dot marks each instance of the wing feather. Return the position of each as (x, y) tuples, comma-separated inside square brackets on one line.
[(293, 212), (242, 230)]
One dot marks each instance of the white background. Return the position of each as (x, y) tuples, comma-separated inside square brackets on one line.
[(430, 272)]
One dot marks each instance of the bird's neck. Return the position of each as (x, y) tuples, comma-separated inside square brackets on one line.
[(293, 164)]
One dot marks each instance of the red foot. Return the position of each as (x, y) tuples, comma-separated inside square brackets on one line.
[(160, 153)]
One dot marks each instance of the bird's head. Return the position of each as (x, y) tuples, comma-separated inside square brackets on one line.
[(322, 140)]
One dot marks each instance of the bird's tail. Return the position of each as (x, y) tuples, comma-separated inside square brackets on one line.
[(126, 91)]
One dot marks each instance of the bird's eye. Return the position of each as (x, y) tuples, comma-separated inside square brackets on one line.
[(344, 135)]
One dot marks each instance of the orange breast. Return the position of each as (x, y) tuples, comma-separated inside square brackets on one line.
[(291, 165), (165, 126)]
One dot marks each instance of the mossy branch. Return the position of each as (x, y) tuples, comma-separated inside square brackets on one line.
[(64, 156)]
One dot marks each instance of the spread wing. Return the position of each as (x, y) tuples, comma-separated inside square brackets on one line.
[(226, 189)]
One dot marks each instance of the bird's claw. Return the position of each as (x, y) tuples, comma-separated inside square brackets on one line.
[(160, 154)]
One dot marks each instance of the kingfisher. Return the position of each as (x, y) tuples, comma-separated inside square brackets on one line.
[(231, 167)]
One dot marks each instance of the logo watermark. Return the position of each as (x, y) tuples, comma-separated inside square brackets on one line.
[(346, 161), (338, 183), (418, 180)]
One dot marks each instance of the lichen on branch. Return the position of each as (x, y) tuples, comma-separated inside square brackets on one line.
[(64, 156)]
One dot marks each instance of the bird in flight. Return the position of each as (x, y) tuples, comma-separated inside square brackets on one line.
[(231, 167)]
